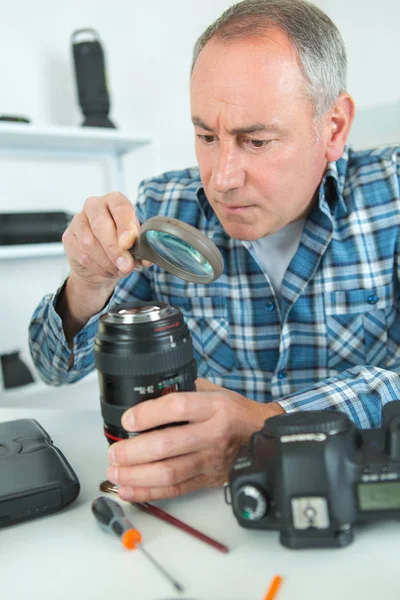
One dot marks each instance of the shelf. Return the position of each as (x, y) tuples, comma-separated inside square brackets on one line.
[(96, 142), (39, 388), (31, 251)]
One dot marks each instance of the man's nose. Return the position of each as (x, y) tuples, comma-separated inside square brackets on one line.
[(228, 172)]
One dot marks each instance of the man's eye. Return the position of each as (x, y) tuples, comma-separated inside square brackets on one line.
[(258, 143), (207, 139)]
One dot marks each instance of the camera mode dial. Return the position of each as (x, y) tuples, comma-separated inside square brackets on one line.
[(250, 503)]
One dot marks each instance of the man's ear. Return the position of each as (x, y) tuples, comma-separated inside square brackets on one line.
[(339, 123)]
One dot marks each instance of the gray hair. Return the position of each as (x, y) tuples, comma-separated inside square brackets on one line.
[(319, 45)]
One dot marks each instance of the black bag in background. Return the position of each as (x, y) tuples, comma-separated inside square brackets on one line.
[(33, 227)]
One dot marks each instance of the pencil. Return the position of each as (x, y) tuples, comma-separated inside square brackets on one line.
[(107, 486), (273, 588)]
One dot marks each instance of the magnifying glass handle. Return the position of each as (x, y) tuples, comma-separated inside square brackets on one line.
[(141, 251), (135, 248)]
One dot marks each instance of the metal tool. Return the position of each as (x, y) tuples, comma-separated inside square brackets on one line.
[(110, 516), (110, 488)]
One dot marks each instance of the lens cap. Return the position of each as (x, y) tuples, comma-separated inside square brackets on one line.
[(180, 249)]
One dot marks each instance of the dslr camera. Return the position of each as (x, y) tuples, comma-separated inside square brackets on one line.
[(313, 474)]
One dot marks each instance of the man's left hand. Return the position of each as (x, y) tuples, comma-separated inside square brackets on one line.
[(177, 460)]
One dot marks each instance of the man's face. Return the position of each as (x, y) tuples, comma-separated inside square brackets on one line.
[(259, 156)]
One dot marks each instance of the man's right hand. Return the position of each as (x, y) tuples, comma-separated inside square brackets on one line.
[(97, 243), (99, 237)]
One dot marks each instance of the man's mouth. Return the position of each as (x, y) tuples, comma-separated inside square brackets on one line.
[(234, 208)]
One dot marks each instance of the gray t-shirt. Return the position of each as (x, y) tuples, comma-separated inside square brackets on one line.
[(275, 251)]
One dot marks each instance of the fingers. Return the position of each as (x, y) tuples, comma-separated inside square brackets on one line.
[(175, 460), (147, 494), (104, 232), (82, 246), (172, 408), (99, 237), (126, 222), (161, 444), (145, 263), (78, 259), (159, 474), (203, 385)]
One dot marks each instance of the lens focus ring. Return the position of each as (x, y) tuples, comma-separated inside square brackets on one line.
[(144, 364)]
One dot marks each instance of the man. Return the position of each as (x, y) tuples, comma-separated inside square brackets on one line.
[(305, 315)]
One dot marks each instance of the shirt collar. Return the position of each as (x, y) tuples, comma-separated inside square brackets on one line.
[(332, 186)]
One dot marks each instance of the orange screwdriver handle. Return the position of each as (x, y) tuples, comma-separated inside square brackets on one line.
[(110, 515), (131, 539)]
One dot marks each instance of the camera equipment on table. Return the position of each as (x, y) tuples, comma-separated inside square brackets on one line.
[(142, 350), (313, 474), (36, 478)]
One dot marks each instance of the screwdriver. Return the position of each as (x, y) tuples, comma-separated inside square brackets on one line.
[(110, 516)]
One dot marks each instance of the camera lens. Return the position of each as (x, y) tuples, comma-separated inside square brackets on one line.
[(142, 350)]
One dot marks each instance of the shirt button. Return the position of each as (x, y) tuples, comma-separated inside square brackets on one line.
[(270, 306), (373, 299), (282, 375)]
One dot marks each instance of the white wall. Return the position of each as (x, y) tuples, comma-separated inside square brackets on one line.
[(148, 52), (370, 31), (148, 49)]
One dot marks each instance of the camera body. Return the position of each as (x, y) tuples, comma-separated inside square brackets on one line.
[(313, 474)]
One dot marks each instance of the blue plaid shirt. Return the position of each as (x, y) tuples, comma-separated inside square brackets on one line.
[(333, 340)]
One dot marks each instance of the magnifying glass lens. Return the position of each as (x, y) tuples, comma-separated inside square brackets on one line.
[(179, 253)]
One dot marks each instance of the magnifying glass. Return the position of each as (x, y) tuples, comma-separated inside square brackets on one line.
[(179, 248)]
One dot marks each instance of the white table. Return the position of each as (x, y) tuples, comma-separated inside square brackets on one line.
[(68, 556)]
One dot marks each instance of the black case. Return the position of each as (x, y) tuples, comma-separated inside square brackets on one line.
[(35, 477), (33, 228)]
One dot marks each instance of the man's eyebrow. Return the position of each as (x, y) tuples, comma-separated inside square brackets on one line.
[(254, 128), (199, 123)]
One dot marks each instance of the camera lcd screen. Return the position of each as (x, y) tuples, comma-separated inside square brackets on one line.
[(379, 496)]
